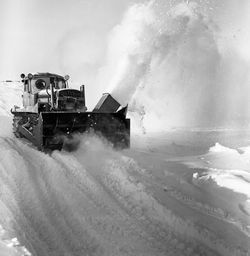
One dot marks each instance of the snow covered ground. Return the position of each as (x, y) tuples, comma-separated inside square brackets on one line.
[(177, 193)]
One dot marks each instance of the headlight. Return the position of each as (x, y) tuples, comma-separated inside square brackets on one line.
[(30, 76)]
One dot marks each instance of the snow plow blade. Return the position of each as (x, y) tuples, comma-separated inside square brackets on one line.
[(54, 127)]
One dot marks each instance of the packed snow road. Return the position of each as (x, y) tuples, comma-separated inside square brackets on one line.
[(86, 203), (97, 201)]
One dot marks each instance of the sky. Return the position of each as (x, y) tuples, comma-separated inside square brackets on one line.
[(44, 35)]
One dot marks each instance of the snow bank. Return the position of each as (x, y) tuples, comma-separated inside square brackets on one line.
[(227, 167), (218, 148), (10, 95), (236, 180), (6, 126), (11, 247)]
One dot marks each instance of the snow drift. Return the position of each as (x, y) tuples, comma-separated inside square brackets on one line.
[(227, 167)]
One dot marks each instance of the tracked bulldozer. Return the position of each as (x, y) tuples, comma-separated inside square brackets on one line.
[(52, 113)]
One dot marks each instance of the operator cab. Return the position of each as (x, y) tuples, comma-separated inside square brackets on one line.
[(41, 81), (50, 92)]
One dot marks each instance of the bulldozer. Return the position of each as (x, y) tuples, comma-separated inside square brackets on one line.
[(52, 113)]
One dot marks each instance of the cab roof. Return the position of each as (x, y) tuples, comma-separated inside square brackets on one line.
[(47, 75)]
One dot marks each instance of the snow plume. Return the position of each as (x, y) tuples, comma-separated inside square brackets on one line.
[(171, 63)]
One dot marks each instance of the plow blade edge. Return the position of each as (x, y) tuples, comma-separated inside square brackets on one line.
[(52, 127)]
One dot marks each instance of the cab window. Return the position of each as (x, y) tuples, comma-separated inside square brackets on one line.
[(40, 84), (60, 84)]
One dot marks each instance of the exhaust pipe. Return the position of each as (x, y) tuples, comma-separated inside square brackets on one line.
[(82, 90)]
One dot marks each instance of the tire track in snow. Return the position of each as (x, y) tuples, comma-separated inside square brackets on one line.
[(218, 238), (119, 223), (70, 232), (73, 214), (77, 203), (181, 226), (115, 186), (188, 200), (98, 221)]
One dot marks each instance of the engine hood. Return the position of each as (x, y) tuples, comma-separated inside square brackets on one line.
[(65, 92)]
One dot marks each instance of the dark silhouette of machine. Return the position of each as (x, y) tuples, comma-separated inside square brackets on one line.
[(52, 113)]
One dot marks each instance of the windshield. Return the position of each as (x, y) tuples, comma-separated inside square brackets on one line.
[(42, 83), (58, 84)]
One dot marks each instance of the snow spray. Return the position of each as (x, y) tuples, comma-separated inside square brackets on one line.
[(173, 64)]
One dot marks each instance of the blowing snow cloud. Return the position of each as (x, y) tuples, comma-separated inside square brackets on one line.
[(170, 63)]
